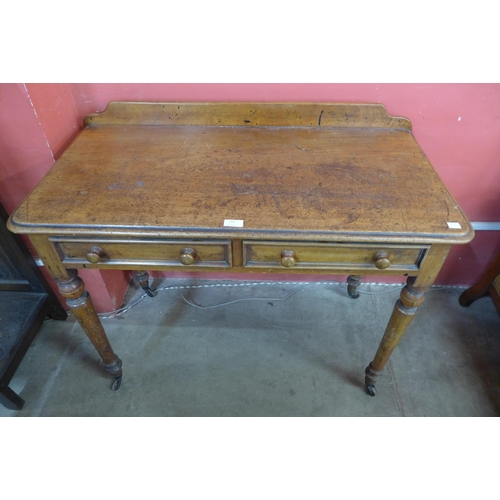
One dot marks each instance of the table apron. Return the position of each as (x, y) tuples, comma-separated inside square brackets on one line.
[(247, 256)]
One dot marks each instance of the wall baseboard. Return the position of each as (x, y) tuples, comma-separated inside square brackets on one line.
[(486, 226)]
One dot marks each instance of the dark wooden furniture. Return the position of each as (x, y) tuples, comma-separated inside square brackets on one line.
[(25, 301), (247, 187), (489, 284)]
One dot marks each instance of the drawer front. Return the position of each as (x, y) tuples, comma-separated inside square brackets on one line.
[(338, 256), (149, 252)]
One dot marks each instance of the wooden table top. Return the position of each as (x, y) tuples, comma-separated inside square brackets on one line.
[(135, 171)]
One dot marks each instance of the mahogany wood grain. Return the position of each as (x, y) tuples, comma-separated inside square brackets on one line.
[(162, 252), (411, 297), (249, 114), (80, 303), (312, 183), (332, 255), (313, 187)]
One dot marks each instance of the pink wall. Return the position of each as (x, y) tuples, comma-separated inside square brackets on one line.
[(35, 127), (457, 125)]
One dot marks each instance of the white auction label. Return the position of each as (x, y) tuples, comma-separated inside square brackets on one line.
[(233, 223), (454, 225)]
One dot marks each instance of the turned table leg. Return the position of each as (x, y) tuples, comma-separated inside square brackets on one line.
[(80, 303), (411, 297), (142, 278), (353, 281), (404, 311)]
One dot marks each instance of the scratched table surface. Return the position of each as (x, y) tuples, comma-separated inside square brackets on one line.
[(322, 182)]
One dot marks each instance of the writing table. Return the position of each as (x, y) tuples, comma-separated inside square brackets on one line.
[(316, 188)]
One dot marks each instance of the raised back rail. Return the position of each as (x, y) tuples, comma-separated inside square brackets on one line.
[(248, 114)]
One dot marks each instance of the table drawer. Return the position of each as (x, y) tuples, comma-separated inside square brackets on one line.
[(149, 252), (297, 255)]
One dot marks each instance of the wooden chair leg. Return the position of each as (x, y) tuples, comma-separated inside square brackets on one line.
[(10, 399), (481, 288)]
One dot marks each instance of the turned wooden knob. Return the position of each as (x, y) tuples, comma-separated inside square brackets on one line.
[(382, 260), (288, 258), (95, 254), (187, 256)]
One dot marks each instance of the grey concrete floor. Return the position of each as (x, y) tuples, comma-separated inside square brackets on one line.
[(268, 353)]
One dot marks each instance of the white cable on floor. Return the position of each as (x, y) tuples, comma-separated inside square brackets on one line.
[(126, 308), (274, 299)]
